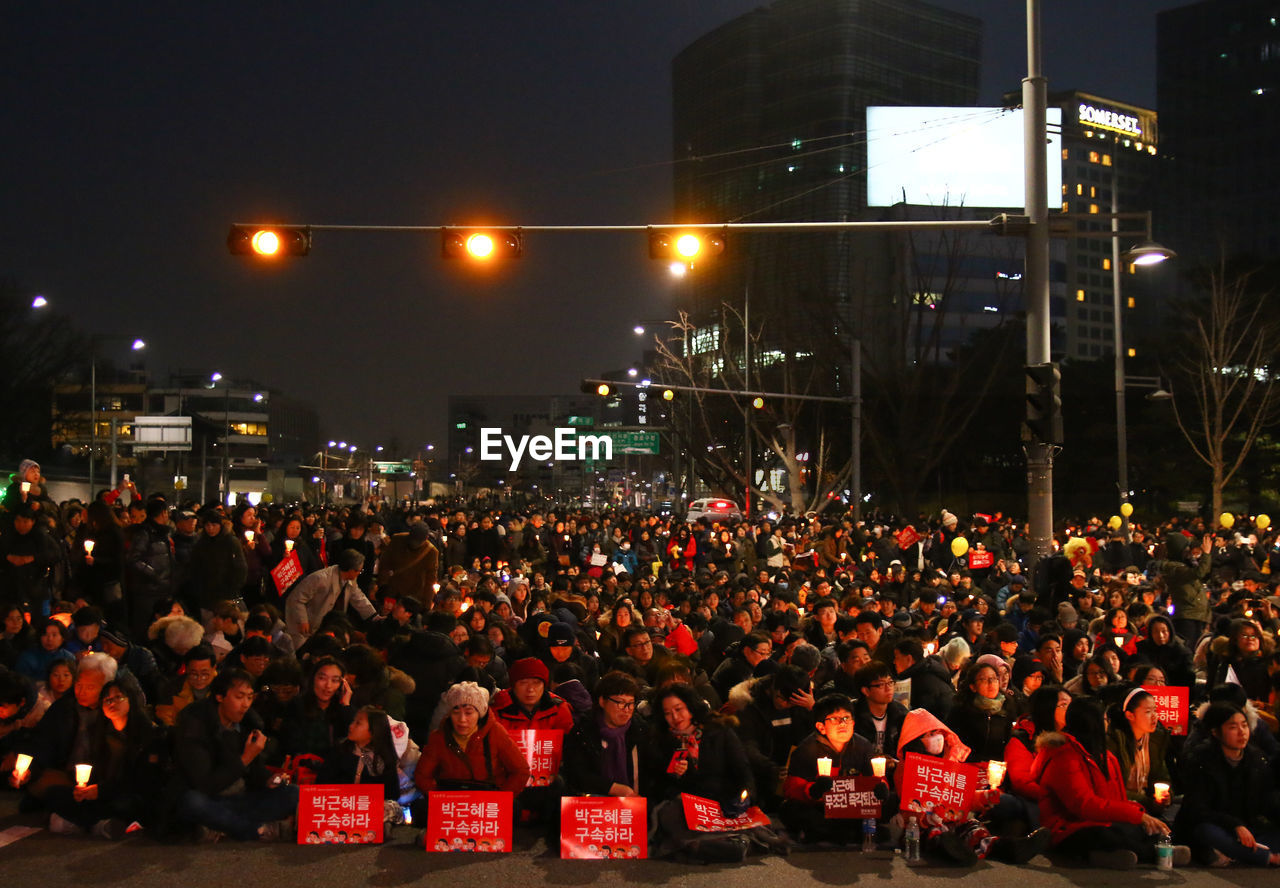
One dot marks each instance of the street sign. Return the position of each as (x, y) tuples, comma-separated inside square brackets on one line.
[(392, 467), (634, 442), (162, 433), (582, 420)]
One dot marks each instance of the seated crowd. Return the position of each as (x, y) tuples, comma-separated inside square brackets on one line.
[(403, 661)]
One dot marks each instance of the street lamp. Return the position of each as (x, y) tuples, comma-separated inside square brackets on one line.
[(135, 345), (39, 302)]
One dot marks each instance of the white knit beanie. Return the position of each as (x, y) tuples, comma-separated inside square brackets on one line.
[(466, 693)]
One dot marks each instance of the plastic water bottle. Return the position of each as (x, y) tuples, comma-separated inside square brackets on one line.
[(1164, 853), (868, 834), (913, 843)]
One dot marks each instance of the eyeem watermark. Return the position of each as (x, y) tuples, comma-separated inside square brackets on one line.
[(566, 445)]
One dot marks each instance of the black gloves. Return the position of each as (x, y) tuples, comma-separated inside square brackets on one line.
[(820, 787)]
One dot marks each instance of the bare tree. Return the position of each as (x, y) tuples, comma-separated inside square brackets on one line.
[(712, 426), (1226, 394), (924, 391)]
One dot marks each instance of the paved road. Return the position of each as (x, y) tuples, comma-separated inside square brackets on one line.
[(139, 862)]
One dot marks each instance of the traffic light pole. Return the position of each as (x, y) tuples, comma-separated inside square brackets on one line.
[(1035, 182)]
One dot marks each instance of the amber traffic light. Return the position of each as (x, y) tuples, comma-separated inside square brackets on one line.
[(268, 241)]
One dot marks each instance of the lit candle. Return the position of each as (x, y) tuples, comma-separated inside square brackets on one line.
[(877, 765), (88, 547), (824, 767), (248, 536), (930, 648), (995, 773), (82, 775), (1119, 641), (1162, 793), (435, 587), (21, 764), (288, 545), (26, 486)]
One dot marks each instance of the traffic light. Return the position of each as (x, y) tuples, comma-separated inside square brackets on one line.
[(669, 394), (683, 246), (757, 403), (1044, 403), (591, 387), (268, 241), (480, 244)]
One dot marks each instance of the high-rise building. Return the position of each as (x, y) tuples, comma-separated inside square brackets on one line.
[(1218, 91), (1110, 155), (769, 125)]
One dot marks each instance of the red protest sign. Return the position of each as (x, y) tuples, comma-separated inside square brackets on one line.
[(981, 558), (932, 784), (852, 798), (468, 821), (907, 537), (287, 572), (705, 815), (603, 827), (1173, 708), (340, 814), (541, 749)]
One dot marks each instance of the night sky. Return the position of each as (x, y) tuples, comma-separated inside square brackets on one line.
[(134, 138)]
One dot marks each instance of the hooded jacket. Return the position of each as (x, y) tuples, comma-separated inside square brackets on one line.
[(918, 723), (1076, 794)]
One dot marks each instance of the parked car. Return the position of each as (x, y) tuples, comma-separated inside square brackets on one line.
[(715, 508)]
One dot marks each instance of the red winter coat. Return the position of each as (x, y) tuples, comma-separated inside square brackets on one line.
[(1076, 794), (551, 714)]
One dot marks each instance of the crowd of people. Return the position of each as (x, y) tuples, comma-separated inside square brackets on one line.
[(199, 662)]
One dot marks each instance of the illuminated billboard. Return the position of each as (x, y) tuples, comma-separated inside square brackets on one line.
[(957, 156)]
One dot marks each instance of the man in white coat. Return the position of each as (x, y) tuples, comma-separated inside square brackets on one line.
[(328, 589)]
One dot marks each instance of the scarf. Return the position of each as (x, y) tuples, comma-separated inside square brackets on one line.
[(613, 764), (989, 705), (689, 743)]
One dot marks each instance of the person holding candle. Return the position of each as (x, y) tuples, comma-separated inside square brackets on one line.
[(27, 555), (1117, 633), (290, 540), (121, 773), (833, 750), (1229, 812), (1084, 802), (962, 837), (695, 752), (64, 735), (980, 717), (1144, 749)]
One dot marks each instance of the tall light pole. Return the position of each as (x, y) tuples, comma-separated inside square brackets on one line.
[(136, 345), (1035, 182)]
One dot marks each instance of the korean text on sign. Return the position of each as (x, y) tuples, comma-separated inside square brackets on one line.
[(541, 749), (932, 784), (596, 827), (338, 814), (706, 815), (468, 821), (1173, 707), (852, 798)]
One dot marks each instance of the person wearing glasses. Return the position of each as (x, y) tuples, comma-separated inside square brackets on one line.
[(848, 754), (876, 715), (602, 754), (124, 782), (1245, 650), (741, 661)]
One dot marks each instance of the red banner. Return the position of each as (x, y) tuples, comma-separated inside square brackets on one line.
[(603, 827), (340, 814), (468, 821), (541, 750), (1173, 708), (933, 784), (287, 572), (852, 798), (705, 815), (907, 537), (979, 559)]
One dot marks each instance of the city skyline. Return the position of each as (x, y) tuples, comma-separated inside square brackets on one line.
[(138, 139)]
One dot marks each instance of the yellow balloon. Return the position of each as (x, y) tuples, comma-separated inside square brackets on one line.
[(959, 546), (1114, 522), (1263, 522), (1227, 520), (1126, 509)]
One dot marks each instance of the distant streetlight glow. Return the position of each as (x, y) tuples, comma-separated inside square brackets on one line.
[(138, 345), (39, 302), (216, 377), (638, 329)]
